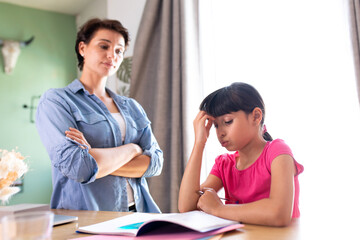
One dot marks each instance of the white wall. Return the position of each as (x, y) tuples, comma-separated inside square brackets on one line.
[(129, 14), (97, 8)]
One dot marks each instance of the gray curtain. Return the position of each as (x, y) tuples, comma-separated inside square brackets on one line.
[(354, 14), (162, 69)]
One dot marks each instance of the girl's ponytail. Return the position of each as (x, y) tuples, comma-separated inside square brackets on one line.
[(266, 135)]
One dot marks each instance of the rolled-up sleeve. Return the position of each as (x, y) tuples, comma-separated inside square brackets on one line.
[(150, 146), (156, 156), (53, 118)]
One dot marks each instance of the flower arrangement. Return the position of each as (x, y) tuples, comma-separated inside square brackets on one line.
[(12, 167)]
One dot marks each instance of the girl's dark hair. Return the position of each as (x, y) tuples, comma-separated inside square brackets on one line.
[(238, 96), (88, 30)]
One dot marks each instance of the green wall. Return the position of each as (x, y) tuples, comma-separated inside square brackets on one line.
[(48, 62)]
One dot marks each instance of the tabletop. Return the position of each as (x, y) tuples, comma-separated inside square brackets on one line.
[(308, 228)]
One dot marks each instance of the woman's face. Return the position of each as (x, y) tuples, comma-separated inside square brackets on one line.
[(104, 53)]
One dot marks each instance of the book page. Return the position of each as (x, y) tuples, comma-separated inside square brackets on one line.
[(119, 226)]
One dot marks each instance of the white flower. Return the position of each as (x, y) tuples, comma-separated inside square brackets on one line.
[(12, 167)]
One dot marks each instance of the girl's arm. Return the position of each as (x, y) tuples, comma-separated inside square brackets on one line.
[(126, 160), (273, 211), (190, 184)]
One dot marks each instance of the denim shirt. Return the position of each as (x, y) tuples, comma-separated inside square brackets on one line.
[(74, 169)]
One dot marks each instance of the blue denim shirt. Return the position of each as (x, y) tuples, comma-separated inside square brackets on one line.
[(74, 169)]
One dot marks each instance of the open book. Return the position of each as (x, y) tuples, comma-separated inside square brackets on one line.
[(167, 223)]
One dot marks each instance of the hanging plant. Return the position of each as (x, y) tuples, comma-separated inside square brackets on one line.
[(124, 77)]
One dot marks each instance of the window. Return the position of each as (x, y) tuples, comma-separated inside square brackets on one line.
[(298, 55)]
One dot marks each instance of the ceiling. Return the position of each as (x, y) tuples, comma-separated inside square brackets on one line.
[(72, 7)]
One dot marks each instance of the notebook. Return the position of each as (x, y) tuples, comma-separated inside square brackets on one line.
[(24, 207)]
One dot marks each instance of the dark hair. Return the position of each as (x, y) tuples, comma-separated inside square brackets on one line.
[(238, 96), (87, 31)]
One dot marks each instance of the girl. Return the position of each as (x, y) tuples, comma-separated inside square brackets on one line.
[(260, 179)]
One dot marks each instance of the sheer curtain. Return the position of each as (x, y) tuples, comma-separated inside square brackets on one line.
[(297, 54)]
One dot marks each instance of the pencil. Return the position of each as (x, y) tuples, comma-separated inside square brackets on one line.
[(202, 192)]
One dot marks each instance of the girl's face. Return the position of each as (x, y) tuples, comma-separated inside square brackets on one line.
[(236, 130), (104, 53)]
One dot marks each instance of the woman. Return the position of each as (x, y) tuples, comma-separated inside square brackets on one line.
[(100, 144)]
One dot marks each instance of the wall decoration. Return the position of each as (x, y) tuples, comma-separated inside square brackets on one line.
[(11, 50), (32, 107)]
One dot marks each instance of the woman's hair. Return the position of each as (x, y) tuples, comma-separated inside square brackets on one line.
[(238, 96), (88, 30)]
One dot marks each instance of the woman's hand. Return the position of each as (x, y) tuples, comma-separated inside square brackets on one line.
[(77, 136), (209, 202), (202, 124)]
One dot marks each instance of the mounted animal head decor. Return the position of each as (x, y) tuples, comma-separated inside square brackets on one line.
[(11, 50)]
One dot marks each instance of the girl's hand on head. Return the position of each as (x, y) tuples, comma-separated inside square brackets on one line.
[(77, 136), (202, 124), (209, 202)]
